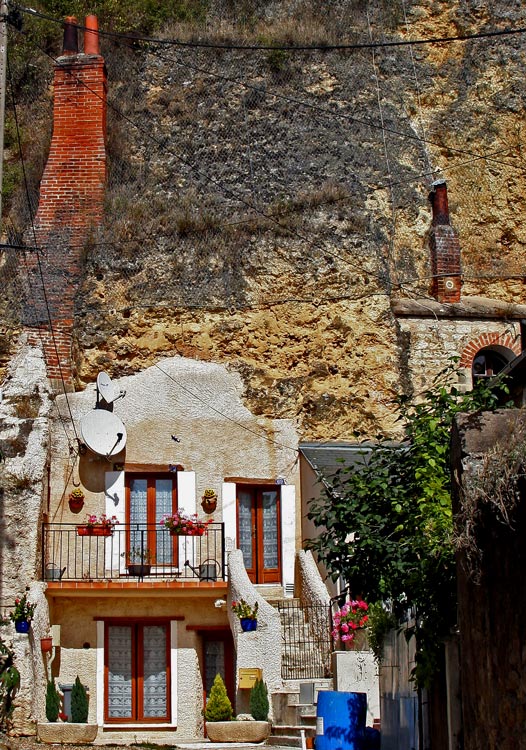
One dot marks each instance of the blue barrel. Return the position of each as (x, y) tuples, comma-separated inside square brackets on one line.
[(340, 720)]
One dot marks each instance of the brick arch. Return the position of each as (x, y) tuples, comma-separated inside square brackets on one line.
[(488, 339)]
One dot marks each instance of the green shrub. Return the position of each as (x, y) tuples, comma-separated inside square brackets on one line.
[(79, 703), (52, 701), (218, 707), (259, 706)]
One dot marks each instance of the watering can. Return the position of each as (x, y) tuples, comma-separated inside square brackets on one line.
[(207, 571), (53, 573)]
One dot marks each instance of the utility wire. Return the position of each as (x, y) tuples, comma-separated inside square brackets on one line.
[(135, 38), (225, 416)]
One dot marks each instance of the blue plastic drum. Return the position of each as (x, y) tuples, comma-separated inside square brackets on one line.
[(340, 720)]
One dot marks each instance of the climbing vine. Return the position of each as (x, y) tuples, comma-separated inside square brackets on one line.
[(387, 521)]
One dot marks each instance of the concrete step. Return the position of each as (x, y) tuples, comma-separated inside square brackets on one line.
[(292, 730), (271, 592)]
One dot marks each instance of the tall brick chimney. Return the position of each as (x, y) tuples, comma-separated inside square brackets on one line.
[(445, 248), (71, 195)]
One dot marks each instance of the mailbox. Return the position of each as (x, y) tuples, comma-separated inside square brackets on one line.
[(248, 677)]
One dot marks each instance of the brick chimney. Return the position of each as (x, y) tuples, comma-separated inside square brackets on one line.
[(445, 248), (71, 194)]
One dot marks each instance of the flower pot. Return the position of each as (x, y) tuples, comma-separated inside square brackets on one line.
[(94, 531), (248, 624), (139, 569), (209, 504), (248, 732), (75, 503), (22, 626), (46, 645)]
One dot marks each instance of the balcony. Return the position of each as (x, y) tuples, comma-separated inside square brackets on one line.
[(133, 553)]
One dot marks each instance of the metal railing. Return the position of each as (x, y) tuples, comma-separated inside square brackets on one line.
[(306, 640), (131, 552)]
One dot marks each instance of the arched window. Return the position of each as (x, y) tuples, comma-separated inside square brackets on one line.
[(490, 360)]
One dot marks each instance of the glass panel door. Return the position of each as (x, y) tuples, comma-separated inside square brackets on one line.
[(258, 522), (137, 673), (120, 682)]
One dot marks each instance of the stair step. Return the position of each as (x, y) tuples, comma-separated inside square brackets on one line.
[(284, 741), (293, 730)]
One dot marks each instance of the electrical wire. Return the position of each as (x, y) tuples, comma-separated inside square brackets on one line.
[(137, 38)]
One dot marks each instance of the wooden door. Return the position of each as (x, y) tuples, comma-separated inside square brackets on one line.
[(258, 527)]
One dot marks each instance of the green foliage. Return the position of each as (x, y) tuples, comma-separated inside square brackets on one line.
[(398, 506), (259, 705), (79, 703), (380, 622), (9, 679), (52, 701), (218, 706)]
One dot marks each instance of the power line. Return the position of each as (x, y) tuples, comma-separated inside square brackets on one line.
[(223, 415), (287, 47)]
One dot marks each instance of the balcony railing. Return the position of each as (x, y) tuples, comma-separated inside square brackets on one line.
[(132, 552)]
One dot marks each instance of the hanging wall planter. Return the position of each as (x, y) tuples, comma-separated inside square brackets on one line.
[(248, 624), (209, 501), (46, 645), (22, 626), (76, 500)]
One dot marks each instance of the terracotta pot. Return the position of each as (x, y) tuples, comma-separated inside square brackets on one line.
[(46, 645), (209, 504), (94, 531), (75, 503)]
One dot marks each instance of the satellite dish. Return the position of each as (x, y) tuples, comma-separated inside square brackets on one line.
[(103, 432), (106, 388)]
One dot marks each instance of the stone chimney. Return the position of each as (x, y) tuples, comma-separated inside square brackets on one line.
[(445, 248), (71, 195)]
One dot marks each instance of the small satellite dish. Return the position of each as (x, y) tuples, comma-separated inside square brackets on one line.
[(105, 387), (103, 432)]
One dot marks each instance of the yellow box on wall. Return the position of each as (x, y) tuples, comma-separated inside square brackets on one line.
[(248, 677)]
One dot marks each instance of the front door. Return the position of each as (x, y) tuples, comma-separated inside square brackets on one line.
[(258, 527)]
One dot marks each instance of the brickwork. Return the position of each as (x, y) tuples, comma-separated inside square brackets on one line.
[(490, 338), (71, 201), (445, 249)]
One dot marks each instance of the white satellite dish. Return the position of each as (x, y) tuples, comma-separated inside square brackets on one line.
[(103, 432), (106, 388)]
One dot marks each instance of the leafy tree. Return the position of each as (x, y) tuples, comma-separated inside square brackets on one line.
[(259, 705), (52, 701), (79, 703), (218, 707), (388, 522)]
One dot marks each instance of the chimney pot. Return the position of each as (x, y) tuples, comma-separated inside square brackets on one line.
[(91, 36), (438, 198), (71, 36)]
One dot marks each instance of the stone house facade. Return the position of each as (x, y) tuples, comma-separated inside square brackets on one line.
[(148, 643)]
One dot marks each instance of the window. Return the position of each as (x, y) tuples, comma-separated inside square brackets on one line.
[(490, 360), (149, 498), (137, 673)]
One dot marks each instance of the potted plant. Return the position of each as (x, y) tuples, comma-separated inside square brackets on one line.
[(138, 561), (182, 524), (79, 703), (219, 724), (76, 500), (98, 526), (46, 644), (259, 703), (22, 614), (248, 615), (348, 621), (209, 501)]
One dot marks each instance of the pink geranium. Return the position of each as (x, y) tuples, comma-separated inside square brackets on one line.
[(350, 618)]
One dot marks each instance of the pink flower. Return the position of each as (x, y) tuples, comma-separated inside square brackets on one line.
[(344, 627)]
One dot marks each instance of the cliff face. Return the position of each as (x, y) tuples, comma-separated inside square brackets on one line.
[(264, 206)]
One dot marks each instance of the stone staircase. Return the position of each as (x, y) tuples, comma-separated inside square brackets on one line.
[(305, 668), (294, 708)]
